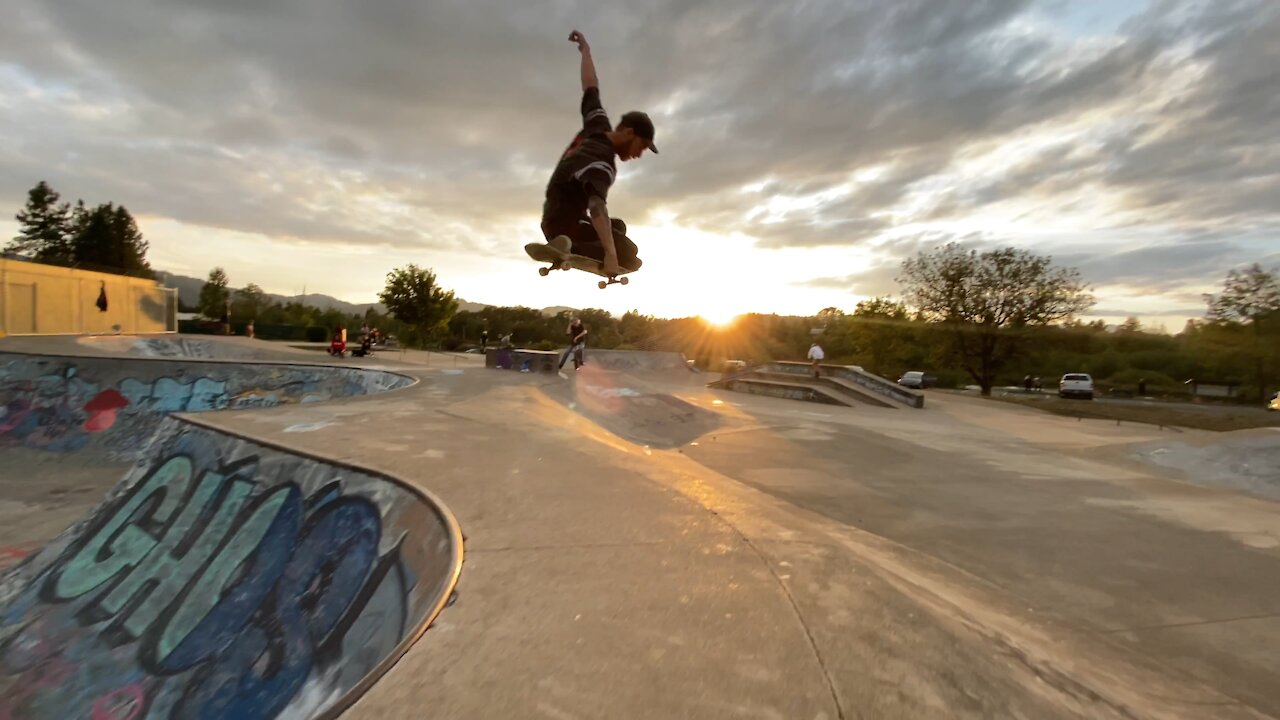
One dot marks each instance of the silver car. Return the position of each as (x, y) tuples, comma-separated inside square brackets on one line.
[(914, 379)]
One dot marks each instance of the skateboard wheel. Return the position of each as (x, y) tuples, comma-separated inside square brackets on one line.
[(544, 271), (602, 284), (624, 281)]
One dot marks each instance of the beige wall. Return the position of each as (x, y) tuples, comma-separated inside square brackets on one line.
[(40, 299)]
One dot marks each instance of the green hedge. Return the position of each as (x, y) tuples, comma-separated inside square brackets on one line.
[(200, 327)]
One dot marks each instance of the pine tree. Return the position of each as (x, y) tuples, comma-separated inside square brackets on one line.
[(131, 248), (79, 220), (93, 246), (46, 228), (107, 239), (214, 295)]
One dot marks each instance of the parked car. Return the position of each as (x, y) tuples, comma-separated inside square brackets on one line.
[(1275, 402), (1076, 385), (916, 379)]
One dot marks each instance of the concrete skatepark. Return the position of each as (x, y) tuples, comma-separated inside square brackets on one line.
[(639, 542)]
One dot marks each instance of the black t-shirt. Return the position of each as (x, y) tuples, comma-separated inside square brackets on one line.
[(587, 167)]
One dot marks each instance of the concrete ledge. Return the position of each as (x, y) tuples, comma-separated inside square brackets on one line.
[(782, 389), (842, 388), (856, 375), (515, 359)]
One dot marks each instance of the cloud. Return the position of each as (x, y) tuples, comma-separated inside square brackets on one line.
[(1173, 312), (878, 280), (833, 123), (1159, 268)]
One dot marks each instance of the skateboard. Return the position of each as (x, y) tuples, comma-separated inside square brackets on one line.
[(542, 252)]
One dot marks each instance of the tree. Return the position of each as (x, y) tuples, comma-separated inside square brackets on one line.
[(45, 227), (985, 301), (1131, 326), (1249, 297), (129, 246), (601, 325), (107, 239), (636, 329), (214, 295), (249, 301), (413, 297), (880, 337)]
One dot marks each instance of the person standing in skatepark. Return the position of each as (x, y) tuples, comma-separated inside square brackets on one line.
[(577, 333)]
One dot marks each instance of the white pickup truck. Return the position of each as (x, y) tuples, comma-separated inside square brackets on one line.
[(1076, 385)]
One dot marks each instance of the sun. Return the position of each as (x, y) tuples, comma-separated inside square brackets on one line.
[(719, 317)]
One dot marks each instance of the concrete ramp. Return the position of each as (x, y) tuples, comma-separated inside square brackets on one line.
[(225, 578), (165, 345), (71, 404), (637, 360), (631, 411), (222, 577), (192, 347), (546, 360)]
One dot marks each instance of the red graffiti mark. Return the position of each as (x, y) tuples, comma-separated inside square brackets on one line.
[(10, 554), (102, 409), (13, 552), (109, 399), (100, 421), (120, 704), (15, 417)]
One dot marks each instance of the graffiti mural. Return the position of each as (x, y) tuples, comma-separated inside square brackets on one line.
[(223, 579), (64, 404), (52, 411)]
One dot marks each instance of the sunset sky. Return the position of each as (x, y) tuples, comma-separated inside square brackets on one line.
[(807, 148)]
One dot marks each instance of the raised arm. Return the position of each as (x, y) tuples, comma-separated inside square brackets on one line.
[(589, 79)]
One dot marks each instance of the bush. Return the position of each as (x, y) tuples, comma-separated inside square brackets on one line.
[(1102, 365), (1130, 377), (200, 327), (949, 379), (317, 334)]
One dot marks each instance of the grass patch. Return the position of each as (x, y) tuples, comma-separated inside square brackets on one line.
[(1218, 419)]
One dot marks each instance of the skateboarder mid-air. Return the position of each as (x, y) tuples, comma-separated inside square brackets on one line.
[(575, 217)]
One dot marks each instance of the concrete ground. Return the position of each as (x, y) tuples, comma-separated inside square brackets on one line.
[(640, 546)]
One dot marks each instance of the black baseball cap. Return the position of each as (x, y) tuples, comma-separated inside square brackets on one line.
[(641, 124)]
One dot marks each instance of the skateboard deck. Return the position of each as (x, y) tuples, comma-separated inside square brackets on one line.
[(542, 252)]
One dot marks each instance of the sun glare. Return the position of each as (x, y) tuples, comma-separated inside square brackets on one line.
[(719, 317)]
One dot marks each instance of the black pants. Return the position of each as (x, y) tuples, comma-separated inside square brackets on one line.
[(587, 242)]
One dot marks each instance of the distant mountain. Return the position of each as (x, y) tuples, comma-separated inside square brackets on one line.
[(188, 287), (189, 293)]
